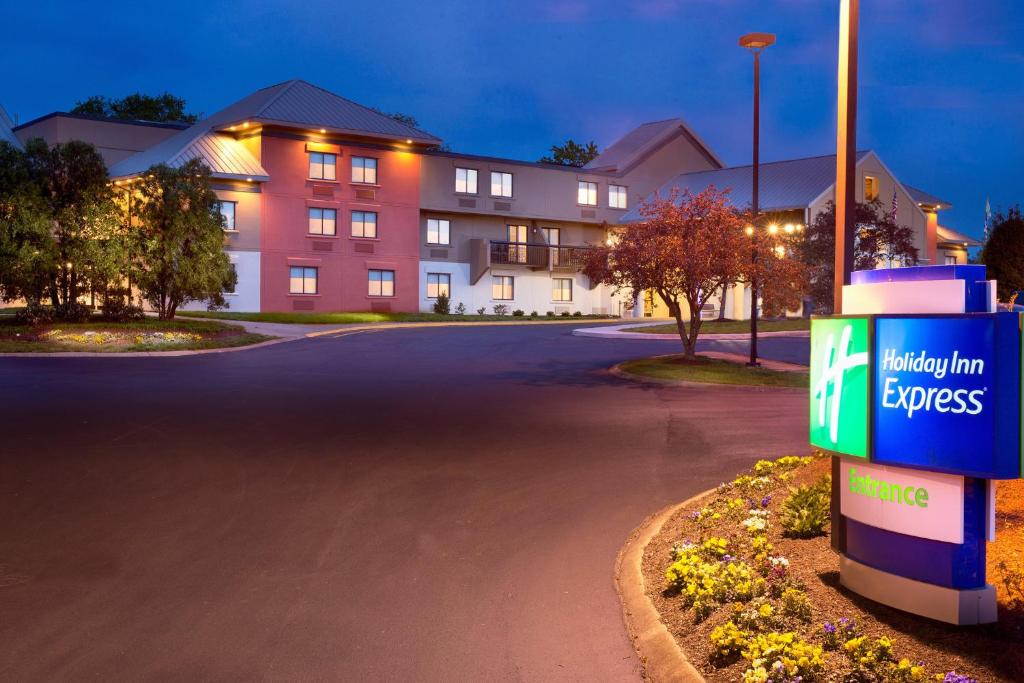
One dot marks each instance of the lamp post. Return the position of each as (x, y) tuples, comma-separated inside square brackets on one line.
[(846, 148), (756, 43)]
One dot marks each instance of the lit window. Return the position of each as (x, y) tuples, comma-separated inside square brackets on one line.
[(617, 196), (227, 210), (950, 260), (438, 231), (503, 288), (382, 283), (364, 223), (465, 180), (586, 194), (322, 221), (437, 284), (501, 184), (364, 170), (303, 280), (561, 289), (323, 166), (870, 188)]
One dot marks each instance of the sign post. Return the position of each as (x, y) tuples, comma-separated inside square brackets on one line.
[(916, 392)]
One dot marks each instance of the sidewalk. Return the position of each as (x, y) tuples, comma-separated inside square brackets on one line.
[(623, 332)]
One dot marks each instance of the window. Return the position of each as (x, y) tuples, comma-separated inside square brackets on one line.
[(230, 288), (518, 251), (586, 194), (617, 196), (227, 209), (870, 188), (503, 288), (465, 180), (364, 170), (437, 284), (323, 166), (438, 231), (322, 221), (303, 280), (561, 289), (950, 260), (364, 223), (501, 184), (553, 237), (382, 283)]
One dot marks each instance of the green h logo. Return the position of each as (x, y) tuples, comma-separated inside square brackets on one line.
[(839, 385)]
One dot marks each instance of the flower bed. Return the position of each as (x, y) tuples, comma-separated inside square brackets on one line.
[(747, 583), (144, 335)]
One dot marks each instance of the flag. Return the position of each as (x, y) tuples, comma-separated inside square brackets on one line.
[(895, 205)]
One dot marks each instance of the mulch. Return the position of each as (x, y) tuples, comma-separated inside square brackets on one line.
[(993, 652)]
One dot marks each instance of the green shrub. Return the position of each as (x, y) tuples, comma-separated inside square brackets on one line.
[(519, 313), (533, 314), (500, 309), (481, 310), (578, 314), (564, 314), (72, 312), (442, 304), (807, 510), (34, 314), (460, 309), (550, 314), (118, 308)]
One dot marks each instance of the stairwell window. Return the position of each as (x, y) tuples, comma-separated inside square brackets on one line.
[(438, 284), (561, 289), (870, 188), (323, 166), (382, 283), (303, 280), (501, 184), (323, 221), (227, 210), (364, 224), (617, 196), (503, 288), (364, 170), (586, 193), (438, 231), (465, 180)]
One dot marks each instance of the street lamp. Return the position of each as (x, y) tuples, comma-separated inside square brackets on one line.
[(846, 148), (756, 43)]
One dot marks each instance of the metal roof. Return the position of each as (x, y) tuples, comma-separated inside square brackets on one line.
[(922, 197), (945, 234), (516, 162), (790, 184), (6, 132), (292, 103), (635, 145), (226, 157)]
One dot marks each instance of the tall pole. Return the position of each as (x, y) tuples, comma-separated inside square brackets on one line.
[(846, 148), (754, 208)]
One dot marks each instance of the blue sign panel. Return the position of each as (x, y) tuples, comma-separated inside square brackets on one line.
[(976, 288), (946, 394)]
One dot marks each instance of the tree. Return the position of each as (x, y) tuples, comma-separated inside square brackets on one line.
[(77, 202), (407, 119), (25, 237), (686, 248), (571, 154), (177, 241), (878, 241), (137, 107), (1003, 253), (781, 278)]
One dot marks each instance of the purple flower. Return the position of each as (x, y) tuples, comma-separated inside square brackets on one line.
[(727, 558), (954, 677), (829, 628), (765, 501)]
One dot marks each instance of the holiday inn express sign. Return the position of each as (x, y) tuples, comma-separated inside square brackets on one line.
[(922, 411)]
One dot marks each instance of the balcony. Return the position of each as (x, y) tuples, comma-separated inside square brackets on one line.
[(485, 254)]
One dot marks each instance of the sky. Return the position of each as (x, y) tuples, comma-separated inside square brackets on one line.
[(941, 81)]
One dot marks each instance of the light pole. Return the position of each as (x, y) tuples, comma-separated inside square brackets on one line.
[(756, 43), (846, 148)]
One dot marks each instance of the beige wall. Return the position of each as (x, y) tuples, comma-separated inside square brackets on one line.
[(676, 156), (247, 215), (114, 140)]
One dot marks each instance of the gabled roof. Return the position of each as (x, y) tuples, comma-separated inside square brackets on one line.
[(292, 103), (783, 185), (922, 197), (634, 146), (945, 234), (6, 132)]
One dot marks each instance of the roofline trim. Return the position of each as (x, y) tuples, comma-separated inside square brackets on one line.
[(105, 119)]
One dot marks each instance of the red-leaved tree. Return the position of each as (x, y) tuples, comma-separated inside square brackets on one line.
[(686, 248)]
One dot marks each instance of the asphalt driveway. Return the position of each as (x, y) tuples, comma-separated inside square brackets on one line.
[(430, 505)]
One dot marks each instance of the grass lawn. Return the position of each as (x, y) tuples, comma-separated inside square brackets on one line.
[(343, 318), (713, 371), (734, 326), (144, 335)]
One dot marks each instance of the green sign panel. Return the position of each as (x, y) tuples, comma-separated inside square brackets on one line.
[(839, 385)]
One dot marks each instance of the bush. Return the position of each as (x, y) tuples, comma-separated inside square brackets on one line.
[(518, 313), (564, 314), (578, 314), (550, 314), (72, 312), (500, 309), (807, 510), (481, 310), (442, 304), (533, 314), (34, 314), (460, 309), (118, 308)]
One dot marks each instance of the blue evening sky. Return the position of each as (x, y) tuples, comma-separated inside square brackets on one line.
[(942, 81)]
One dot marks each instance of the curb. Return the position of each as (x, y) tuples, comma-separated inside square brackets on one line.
[(146, 354), (618, 371), (661, 659), (614, 333), (405, 326)]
